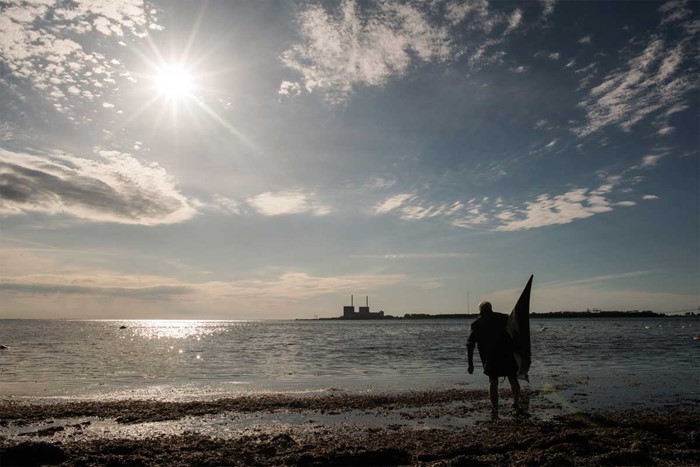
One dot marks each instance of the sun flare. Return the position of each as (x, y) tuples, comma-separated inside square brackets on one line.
[(174, 82)]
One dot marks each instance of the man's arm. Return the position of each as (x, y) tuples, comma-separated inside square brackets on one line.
[(471, 341)]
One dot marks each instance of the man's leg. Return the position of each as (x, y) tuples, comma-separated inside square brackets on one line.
[(493, 392), (515, 389)]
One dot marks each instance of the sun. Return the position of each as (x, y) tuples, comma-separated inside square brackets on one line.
[(174, 82)]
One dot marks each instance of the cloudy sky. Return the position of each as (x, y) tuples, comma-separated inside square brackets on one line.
[(254, 159)]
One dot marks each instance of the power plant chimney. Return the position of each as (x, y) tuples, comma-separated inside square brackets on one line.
[(351, 304), (367, 301)]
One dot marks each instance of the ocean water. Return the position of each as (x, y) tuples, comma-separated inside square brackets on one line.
[(598, 361)]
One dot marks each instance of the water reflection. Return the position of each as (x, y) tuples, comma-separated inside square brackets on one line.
[(189, 357), (175, 329)]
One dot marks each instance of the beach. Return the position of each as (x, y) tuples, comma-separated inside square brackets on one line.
[(601, 392), (451, 427)]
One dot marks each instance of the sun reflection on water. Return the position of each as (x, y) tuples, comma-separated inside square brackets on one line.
[(175, 329)]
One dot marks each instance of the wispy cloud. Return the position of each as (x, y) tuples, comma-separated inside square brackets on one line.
[(392, 203), (651, 160), (350, 48), (288, 202), (602, 279), (224, 204), (547, 8), (289, 88), (77, 290), (356, 45), (611, 192), (514, 20), (113, 187), (42, 43), (654, 79), (546, 210), (411, 207), (297, 286), (148, 293), (419, 256), (675, 11)]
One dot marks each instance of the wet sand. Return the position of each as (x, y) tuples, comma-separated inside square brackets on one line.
[(451, 427)]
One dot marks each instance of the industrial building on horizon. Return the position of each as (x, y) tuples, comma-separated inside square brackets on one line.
[(362, 313)]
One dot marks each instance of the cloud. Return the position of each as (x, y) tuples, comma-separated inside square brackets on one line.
[(379, 183), (288, 88), (477, 12), (514, 20), (288, 202), (75, 290), (649, 197), (547, 8), (113, 187), (295, 286), (348, 49), (547, 210), (674, 11), (585, 40), (223, 204), (358, 45), (392, 203), (500, 215), (651, 160), (419, 256), (654, 79), (472, 215), (42, 43), (150, 293), (411, 207)]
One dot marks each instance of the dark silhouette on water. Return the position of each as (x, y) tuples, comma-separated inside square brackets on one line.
[(488, 333), (504, 346)]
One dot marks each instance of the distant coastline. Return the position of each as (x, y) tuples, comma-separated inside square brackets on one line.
[(554, 314)]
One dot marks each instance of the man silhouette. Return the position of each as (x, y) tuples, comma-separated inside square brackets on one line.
[(496, 348)]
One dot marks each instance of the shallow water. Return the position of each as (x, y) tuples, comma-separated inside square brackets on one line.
[(603, 361)]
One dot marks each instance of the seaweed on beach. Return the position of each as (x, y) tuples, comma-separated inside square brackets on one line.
[(139, 411), (664, 437)]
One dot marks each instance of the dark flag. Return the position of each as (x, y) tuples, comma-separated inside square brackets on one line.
[(518, 327)]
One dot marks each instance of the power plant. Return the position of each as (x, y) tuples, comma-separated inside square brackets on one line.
[(362, 313)]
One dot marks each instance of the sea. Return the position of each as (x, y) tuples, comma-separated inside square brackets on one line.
[(588, 362)]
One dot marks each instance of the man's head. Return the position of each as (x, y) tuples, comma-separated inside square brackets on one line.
[(485, 307)]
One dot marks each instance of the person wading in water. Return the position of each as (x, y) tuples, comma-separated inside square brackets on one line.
[(496, 348)]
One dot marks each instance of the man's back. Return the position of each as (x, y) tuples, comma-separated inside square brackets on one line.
[(488, 332), (496, 352)]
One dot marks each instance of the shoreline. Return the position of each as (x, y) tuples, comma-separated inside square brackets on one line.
[(472, 316), (443, 427)]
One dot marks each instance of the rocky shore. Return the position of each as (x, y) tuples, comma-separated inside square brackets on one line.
[(414, 428)]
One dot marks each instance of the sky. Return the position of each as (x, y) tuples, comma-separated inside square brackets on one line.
[(246, 159)]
